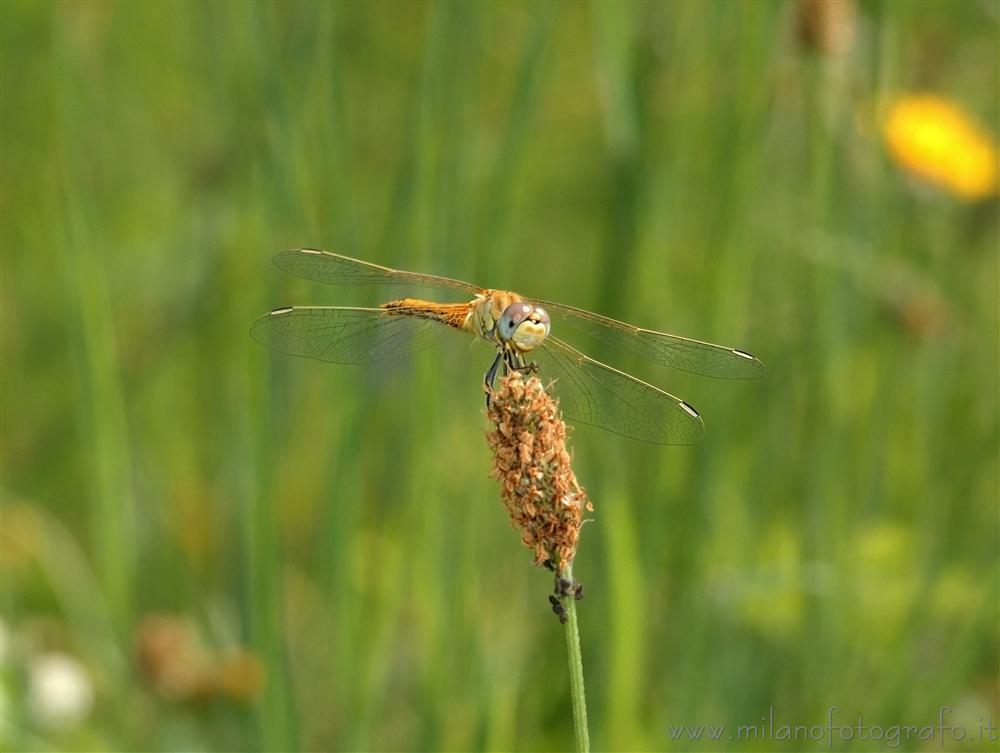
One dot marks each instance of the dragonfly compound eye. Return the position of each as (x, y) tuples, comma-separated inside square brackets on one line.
[(524, 325), (511, 318)]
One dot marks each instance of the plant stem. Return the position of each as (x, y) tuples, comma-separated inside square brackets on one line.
[(575, 669)]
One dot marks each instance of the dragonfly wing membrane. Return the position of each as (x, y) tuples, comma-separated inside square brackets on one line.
[(593, 393), (346, 335), (695, 356), (336, 269)]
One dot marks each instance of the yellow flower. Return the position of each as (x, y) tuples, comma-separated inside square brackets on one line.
[(934, 139)]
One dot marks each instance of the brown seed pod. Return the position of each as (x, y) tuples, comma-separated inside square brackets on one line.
[(542, 496)]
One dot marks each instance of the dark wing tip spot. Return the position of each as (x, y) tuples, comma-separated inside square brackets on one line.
[(689, 409)]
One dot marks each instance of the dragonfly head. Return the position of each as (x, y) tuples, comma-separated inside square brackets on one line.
[(523, 325)]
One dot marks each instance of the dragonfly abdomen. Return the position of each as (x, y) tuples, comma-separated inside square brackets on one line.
[(453, 314)]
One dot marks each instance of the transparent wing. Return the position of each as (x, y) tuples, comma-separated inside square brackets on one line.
[(667, 350), (344, 335), (336, 269), (593, 393)]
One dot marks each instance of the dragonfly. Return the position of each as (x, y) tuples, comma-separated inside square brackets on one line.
[(520, 328)]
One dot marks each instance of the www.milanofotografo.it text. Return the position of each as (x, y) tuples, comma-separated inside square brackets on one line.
[(944, 731)]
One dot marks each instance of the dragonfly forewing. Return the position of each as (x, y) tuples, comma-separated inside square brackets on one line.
[(695, 356), (336, 269), (596, 394)]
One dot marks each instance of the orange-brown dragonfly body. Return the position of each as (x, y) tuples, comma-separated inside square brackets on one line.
[(590, 392), (478, 317)]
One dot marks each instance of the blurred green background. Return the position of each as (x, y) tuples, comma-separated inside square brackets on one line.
[(209, 546)]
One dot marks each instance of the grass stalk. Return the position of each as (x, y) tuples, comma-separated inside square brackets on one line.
[(575, 658)]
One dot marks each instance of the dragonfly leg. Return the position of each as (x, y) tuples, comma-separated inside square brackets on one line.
[(490, 377), (517, 363), (507, 360)]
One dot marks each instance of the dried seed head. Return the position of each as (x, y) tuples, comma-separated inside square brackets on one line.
[(176, 662), (539, 489), (826, 26)]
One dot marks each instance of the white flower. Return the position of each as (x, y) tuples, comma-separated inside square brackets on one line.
[(60, 693)]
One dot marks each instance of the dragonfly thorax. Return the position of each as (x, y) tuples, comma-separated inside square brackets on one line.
[(508, 320)]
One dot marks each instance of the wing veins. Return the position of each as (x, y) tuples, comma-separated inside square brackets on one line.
[(344, 334), (596, 394), (673, 351), (336, 269)]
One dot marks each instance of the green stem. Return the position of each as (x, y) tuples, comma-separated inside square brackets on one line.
[(575, 669)]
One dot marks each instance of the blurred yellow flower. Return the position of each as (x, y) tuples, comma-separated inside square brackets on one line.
[(936, 140)]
